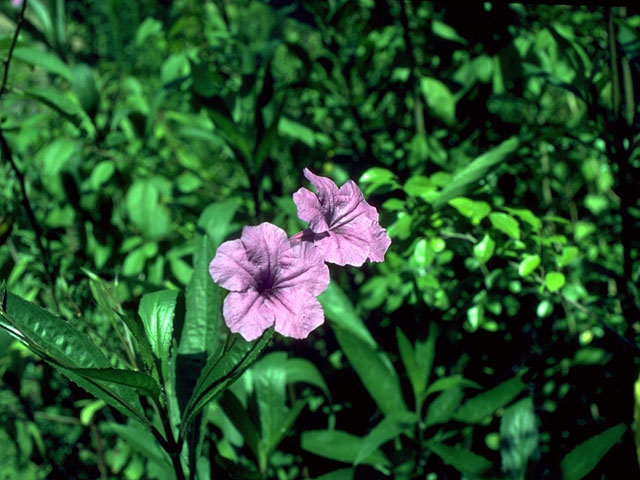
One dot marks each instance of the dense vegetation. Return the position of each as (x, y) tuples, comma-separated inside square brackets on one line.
[(500, 337)]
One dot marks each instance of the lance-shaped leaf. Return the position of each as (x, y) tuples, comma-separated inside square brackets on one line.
[(138, 380), (157, 311), (60, 344), (476, 409), (375, 371), (221, 371), (584, 458), (463, 180)]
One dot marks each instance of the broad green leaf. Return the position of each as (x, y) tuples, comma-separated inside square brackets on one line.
[(423, 254), (554, 281), (374, 370), (216, 219), (439, 99), (584, 458), (466, 462), (339, 310), (526, 216), (462, 181), (389, 428), (302, 370), (340, 446), (473, 210), (58, 342), (441, 409), (506, 224), (528, 264), (484, 249), (221, 371), (84, 84), (157, 311), (297, 131), (145, 210), (378, 178), (476, 409), (269, 380), (447, 32), (569, 253), (138, 380), (46, 60)]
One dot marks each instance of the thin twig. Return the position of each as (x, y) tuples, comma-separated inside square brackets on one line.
[(6, 154), (14, 40)]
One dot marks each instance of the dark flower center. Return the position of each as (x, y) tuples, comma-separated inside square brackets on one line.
[(264, 281)]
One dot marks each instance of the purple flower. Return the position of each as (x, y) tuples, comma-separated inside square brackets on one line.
[(16, 3), (272, 282), (344, 225)]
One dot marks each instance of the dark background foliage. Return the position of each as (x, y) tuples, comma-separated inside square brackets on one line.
[(499, 143)]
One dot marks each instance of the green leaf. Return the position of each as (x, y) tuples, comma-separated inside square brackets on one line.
[(526, 216), (462, 181), (519, 438), (203, 318), (340, 446), (452, 381), (138, 380), (473, 210), (59, 102), (583, 458), (441, 409), (440, 101), (466, 462), (554, 281), (376, 178), (58, 342), (46, 60), (269, 380), (145, 210), (476, 409), (221, 371), (216, 219), (84, 84), (417, 362), (339, 310), (140, 440), (341, 474), (302, 370), (389, 428), (506, 224), (529, 264), (239, 416), (484, 250), (157, 311), (374, 370), (569, 253)]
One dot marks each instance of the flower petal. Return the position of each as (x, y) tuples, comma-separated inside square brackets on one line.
[(381, 242), (302, 266), (348, 245), (301, 313), (247, 313), (310, 210), (264, 244), (231, 268)]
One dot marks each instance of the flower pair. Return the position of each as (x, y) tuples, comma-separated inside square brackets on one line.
[(274, 280)]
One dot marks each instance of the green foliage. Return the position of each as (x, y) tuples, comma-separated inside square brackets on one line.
[(502, 161)]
